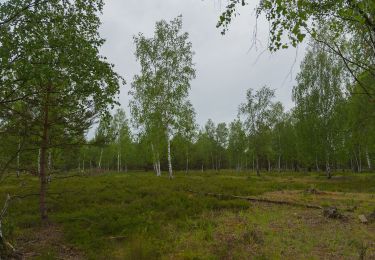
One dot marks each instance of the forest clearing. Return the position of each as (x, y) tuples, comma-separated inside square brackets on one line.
[(163, 129), (141, 216)]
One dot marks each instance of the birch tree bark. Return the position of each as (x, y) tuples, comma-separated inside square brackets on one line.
[(368, 159), (100, 158), (169, 157)]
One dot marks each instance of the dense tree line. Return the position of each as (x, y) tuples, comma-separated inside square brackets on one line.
[(331, 127)]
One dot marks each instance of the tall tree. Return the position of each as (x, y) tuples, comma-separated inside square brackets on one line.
[(256, 111), (122, 136), (56, 72), (187, 129), (221, 137), (237, 143), (161, 90), (317, 94), (277, 118)]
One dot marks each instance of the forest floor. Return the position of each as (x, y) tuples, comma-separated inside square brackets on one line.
[(141, 216)]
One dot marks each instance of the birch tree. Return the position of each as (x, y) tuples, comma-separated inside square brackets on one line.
[(221, 136), (187, 129), (236, 143), (277, 119), (256, 111), (161, 89), (122, 138), (318, 91)]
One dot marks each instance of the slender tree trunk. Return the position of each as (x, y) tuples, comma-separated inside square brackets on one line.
[(187, 161), (279, 164), (154, 160), (257, 159), (356, 161), (316, 163), (158, 164), (39, 162), (49, 160), (219, 162), (269, 164), (328, 168), (169, 157), (253, 164), (18, 158), (360, 159), (43, 157), (100, 158), (83, 162), (368, 159), (286, 165), (216, 163), (118, 162), (202, 167)]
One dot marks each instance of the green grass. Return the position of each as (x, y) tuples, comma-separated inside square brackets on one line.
[(141, 216)]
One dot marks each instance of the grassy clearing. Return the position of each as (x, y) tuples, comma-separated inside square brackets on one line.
[(140, 216)]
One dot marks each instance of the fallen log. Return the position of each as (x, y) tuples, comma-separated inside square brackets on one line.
[(255, 199)]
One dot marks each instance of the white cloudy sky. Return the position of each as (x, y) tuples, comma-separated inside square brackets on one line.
[(225, 66)]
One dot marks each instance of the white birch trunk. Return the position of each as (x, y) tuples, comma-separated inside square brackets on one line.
[(169, 157), (328, 168), (118, 162), (158, 166), (154, 159), (156, 162), (100, 158), (356, 161), (368, 159)]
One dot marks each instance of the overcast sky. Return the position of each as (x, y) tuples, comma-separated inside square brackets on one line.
[(225, 67)]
